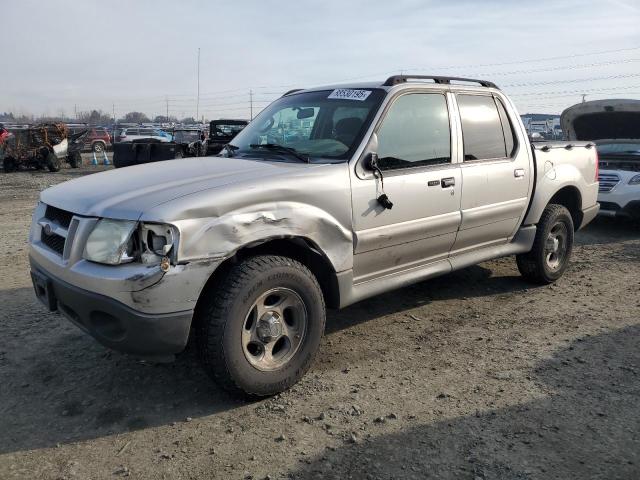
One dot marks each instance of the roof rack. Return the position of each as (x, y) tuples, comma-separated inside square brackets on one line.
[(397, 79), (293, 91)]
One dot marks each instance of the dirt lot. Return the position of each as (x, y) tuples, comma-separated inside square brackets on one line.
[(476, 375)]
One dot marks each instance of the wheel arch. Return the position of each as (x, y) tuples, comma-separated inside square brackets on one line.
[(568, 196), (298, 248)]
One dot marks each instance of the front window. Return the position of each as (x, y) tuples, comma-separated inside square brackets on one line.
[(326, 124)]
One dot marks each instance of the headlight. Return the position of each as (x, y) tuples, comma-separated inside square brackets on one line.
[(635, 180), (122, 241), (111, 242)]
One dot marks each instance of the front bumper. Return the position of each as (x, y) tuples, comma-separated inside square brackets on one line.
[(112, 323)]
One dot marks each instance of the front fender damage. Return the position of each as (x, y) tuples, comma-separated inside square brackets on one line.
[(220, 237)]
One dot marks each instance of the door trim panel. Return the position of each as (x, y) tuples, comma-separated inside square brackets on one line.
[(484, 214)]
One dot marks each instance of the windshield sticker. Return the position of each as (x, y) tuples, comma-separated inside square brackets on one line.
[(350, 94)]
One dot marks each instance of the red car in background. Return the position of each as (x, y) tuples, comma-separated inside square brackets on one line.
[(98, 139)]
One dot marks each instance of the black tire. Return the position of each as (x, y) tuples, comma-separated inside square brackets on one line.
[(548, 259), (9, 165), (222, 317), (98, 147), (52, 162), (75, 160)]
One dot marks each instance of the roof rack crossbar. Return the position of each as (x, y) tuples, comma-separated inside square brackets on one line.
[(397, 79), (293, 91)]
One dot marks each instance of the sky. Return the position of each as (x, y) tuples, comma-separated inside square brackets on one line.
[(62, 56)]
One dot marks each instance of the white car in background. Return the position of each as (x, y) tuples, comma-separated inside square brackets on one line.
[(614, 125)]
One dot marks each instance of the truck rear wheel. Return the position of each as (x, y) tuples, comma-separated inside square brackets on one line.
[(52, 162), (259, 328), (549, 257)]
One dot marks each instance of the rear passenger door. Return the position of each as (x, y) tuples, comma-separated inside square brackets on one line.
[(496, 174)]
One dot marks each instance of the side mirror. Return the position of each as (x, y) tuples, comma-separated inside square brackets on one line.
[(372, 162)]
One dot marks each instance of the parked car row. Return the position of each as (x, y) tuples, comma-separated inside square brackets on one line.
[(137, 145)]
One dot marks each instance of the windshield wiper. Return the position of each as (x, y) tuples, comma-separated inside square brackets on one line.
[(276, 147), (231, 149)]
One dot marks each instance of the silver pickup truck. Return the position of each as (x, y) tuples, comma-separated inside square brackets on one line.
[(330, 196)]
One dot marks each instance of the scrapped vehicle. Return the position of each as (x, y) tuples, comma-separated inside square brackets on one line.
[(192, 142), (614, 125), (221, 132), (76, 144), (40, 146), (379, 186)]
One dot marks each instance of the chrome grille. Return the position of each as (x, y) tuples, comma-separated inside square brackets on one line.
[(54, 242), (55, 226), (58, 215), (607, 181)]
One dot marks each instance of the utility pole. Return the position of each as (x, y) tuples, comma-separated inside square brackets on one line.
[(113, 109), (167, 100), (198, 97), (584, 95), (251, 103), (75, 112)]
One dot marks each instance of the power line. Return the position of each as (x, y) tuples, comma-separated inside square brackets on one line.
[(531, 60), (561, 92), (578, 80)]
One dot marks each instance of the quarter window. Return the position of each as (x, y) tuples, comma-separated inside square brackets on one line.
[(507, 128), (415, 132), (481, 128)]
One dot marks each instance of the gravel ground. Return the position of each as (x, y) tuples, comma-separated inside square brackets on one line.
[(476, 375)]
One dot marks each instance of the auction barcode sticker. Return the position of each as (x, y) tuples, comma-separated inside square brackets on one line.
[(350, 94)]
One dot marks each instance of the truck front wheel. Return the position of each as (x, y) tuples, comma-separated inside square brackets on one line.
[(549, 257), (260, 327)]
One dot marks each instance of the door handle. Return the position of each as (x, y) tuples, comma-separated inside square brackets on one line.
[(518, 172), (448, 182)]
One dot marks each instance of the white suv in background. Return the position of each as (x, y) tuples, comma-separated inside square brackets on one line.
[(619, 193), (129, 134)]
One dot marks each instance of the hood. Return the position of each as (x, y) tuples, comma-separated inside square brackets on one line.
[(602, 119), (126, 193)]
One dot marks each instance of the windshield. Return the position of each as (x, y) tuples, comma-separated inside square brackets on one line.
[(612, 148), (324, 124)]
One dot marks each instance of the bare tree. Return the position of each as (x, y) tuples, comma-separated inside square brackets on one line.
[(136, 117)]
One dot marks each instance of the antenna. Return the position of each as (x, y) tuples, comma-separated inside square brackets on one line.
[(251, 103), (198, 97)]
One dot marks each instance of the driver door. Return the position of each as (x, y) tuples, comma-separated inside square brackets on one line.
[(416, 156)]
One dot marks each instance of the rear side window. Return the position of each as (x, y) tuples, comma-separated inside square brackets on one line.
[(415, 132), (509, 135), (481, 128)]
